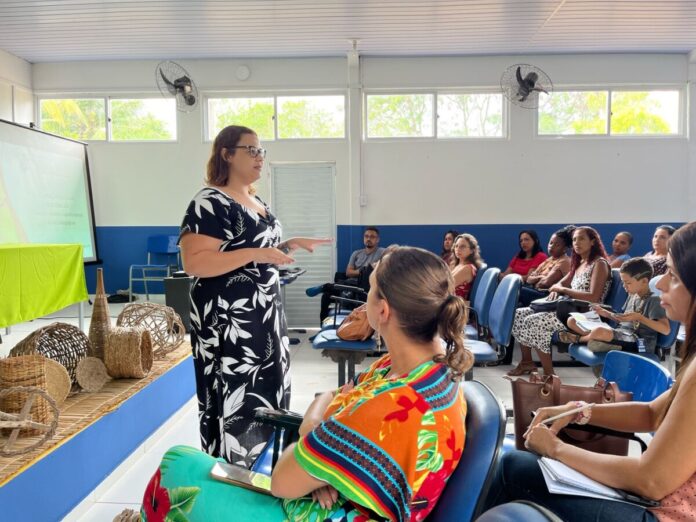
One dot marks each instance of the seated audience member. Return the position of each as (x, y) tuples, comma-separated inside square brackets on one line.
[(589, 279), (552, 270), (529, 257), (467, 261), (358, 270), (657, 257), (447, 245), (666, 471), (641, 321), (619, 249), (380, 448)]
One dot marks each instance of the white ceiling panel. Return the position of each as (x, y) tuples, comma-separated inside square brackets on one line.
[(67, 30)]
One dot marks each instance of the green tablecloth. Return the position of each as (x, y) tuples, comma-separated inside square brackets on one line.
[(36, 280)]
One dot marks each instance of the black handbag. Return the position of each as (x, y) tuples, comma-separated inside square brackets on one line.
[(567, 306), (545, 305)]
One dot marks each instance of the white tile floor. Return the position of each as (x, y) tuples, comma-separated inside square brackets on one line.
[(310, 373)]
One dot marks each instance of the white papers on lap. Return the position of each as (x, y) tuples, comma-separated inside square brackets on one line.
[(587, 321), (564, 480)]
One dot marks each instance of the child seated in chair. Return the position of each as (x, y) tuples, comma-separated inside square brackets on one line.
[(640, 323), (380, 448)]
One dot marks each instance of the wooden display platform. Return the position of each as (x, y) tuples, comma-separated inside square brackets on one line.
[(96, 432)]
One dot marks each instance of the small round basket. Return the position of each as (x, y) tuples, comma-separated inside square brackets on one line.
[(163, 323), (91, 374), (64, 343), (128, 353), (26, 371)]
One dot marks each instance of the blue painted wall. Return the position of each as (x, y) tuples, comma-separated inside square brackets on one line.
[(119, 247)]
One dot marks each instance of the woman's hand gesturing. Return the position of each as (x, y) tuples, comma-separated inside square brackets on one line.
[(307, 243), (273, 256)]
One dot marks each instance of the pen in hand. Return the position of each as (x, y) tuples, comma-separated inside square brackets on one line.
[(574, 411)]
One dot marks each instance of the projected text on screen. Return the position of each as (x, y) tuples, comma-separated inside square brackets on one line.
[(44, 190)]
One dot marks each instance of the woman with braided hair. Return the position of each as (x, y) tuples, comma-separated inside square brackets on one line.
[(380, 448)]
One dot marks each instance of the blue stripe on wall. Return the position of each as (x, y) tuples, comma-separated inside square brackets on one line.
[(119, 247), (498, 242)]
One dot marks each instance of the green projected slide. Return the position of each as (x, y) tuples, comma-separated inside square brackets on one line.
[(44, 189)]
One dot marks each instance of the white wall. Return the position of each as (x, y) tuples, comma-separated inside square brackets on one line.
[(522, 178), (15, 89), (129, 179), (525, 178)]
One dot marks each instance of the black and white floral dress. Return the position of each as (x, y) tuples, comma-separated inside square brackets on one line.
[(238, 331)]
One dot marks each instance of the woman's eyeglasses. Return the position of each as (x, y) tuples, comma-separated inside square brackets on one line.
[(253, 151)]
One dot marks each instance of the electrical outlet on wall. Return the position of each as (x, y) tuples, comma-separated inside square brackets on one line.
[(363, 200)]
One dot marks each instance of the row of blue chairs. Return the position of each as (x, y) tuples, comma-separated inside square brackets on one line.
[(468, 490)]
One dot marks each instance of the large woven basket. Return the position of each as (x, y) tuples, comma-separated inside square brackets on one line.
[(164, 324), (27, 371), (64, 343), (128, 353)]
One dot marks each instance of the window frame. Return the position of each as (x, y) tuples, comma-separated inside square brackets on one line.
[(610, 89), (436, 92), (275, 94), (107, 111)]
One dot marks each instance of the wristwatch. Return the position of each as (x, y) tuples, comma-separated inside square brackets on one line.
[(284, 248)]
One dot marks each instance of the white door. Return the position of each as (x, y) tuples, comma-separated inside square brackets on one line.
[(304, 201)]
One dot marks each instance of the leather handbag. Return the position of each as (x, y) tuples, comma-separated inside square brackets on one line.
[(356, 327), (567, 306), (539, 392), (545, 305)]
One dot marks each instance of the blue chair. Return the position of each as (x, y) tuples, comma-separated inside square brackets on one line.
[(665, 341), (467, 489), (344, 353), (477, 281), (160, 246), (482, 301), (502, 315), (471, 331), (645, 378)]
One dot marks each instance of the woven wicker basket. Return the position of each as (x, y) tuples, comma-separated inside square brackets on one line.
[(58, 382), (128, 353), (25, 370), (64, 343), (164, 324)]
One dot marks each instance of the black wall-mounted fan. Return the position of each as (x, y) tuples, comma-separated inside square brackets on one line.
[(173, 80), (526, 85)]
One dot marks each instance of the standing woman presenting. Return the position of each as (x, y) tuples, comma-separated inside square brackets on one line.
[(230, 242)]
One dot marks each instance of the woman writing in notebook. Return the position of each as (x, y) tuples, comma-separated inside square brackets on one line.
[(667, 470)]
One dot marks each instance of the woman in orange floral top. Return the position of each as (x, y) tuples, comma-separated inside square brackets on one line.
[(382, 447)]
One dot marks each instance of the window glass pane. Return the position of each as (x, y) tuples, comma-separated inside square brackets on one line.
[(574, 112), (255, 113), (311, 117), (80, 119), (469, 115), (399, 115), (143, 119), (645, 112)]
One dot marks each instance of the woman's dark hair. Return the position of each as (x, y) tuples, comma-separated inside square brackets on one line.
[(683, 253), (667, 228), (629, 236), (565, 234), (596, 251), (537, 244), (419, 287), (218, 169), (637, 268), (454, 235), (475, 256)]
